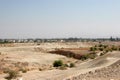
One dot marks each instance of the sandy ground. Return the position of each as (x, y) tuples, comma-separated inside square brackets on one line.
[(38, 54), (82, 68)]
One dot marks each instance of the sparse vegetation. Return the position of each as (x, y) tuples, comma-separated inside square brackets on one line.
[(101, 54), (106, 51), (58, 63), (6, 70), (92, 55), (66, 65), (100, 45), (104, 48), (63, 67), (74, 55), (91, 49), (40, 69), (73, 58), (88, 56), (114, 48), (72, 65), (23, 70), (101, 49), (12, 74)]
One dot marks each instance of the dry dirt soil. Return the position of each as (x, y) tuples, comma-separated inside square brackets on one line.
[(33, 56)]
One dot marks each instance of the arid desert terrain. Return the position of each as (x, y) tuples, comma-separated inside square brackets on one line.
[(92, 61)]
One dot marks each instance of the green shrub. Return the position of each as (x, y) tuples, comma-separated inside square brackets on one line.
[(72, 65), (114, 48), (24, 71), (95, 45), (95, 48), (91, 49), (12, 75), (101, 54), (91, 55), (106, 51), (87, 56), (111, 50), (84, 57), (66, 65), (101, 49), (57, 63), (100, 45), (105, 46)]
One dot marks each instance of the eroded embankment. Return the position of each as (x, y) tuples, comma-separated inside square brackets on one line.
[(88, 70), (77, 53), (106, 67)]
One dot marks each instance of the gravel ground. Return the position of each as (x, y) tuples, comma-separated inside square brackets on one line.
[(111, 72)]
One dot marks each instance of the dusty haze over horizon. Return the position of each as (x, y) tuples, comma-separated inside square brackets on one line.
[(59, 18)]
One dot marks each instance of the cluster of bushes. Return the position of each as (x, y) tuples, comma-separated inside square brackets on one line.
[(99, 47), (74, 55), (59, 64), (102, 47), (12, 74), (88, 56)]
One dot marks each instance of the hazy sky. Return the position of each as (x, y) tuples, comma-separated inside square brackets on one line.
[(59, 18)]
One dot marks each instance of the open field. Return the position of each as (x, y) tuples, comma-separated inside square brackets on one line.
[(37, 62)]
